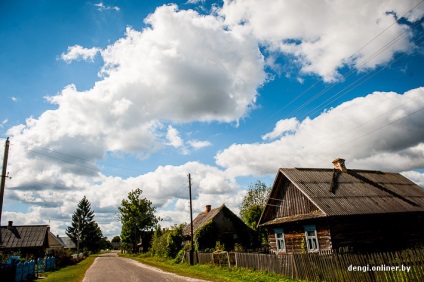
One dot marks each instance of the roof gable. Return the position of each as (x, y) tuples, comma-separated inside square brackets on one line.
[(287, 200), (205, 217), (24, 236)]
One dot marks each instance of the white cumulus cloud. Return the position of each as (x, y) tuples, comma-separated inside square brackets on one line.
[(366, 131), (323, 36), (171, 72)]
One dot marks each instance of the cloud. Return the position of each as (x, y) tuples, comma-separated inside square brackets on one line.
[(3, 123), (174, 140), (415, 176), (195, 144), (14, 99), (167, 184), (102, 7), (282, 127), (173, 137), (152, 77), (366, 131), (78, 52), (321, 37)]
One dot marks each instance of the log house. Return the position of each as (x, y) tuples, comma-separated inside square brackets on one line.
[(318, 210)]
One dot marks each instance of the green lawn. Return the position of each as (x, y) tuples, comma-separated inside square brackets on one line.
[(209, 272), (73, 273)]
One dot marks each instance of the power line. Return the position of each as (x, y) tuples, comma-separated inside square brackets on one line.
[(379, 128), (355, 84), (327, 89), (349, 73), (75, 157)]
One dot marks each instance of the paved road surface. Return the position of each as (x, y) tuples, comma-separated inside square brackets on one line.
[(110, 267)]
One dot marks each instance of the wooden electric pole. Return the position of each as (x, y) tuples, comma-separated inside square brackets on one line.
[(3, 181), (191, 222)]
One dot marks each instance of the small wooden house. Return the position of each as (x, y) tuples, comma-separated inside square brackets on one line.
[(30, 240), (312, 210), (219, 224)]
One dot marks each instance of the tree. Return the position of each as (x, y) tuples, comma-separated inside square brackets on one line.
[(84, 231), (253, 205), (136, 215), (116, 239)]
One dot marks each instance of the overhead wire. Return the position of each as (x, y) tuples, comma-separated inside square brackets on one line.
[(92, 163), (379, 128), (328, 88)]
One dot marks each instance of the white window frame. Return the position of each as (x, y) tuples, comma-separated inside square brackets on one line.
[(279, 240), (311, 239)]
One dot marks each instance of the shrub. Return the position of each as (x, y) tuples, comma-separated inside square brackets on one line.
[(168, 243)]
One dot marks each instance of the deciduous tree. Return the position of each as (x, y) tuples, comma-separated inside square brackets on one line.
[(253, 205), (136, 214)]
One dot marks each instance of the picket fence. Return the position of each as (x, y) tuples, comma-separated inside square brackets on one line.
[(25, 271), (407, 265)]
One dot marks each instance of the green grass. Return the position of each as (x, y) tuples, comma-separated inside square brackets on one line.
[(209, 271), (72, 273)]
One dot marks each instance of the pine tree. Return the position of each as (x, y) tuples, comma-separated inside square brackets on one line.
[(84, 229)]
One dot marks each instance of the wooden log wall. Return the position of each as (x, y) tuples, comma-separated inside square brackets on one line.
[(377, 232), (292, 201), (294, 236)]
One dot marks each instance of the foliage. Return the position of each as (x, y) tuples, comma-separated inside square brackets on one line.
[(84, 229), (252, 207), (253, 203), (105, 244), (206, 236), (136, 215), (219, 246), (169, 242), (116, 239)]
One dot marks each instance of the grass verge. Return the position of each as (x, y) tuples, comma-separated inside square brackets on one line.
[(208, 271), (72, 273)]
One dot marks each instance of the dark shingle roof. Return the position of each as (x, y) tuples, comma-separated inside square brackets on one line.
[(202, 219), (25, 236), (356, 192), (68, 243)]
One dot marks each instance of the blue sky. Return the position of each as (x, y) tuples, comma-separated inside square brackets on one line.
[(100, 98)]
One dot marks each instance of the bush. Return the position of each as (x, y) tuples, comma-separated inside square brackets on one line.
[(168, 243)]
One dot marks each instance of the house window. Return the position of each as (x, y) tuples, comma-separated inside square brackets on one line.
[(279, 240), (311, 238)]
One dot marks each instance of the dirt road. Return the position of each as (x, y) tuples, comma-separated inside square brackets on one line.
[(110, 267)]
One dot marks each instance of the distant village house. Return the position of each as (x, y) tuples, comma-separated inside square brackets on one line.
[(219, 224)]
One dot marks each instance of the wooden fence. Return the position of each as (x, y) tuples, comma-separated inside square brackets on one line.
[(405, 265)]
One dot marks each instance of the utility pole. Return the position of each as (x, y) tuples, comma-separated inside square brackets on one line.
[(3, 181), (191, 222)]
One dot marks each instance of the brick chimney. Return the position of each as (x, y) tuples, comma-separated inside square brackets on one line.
[(339, 164), (208, 208)]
